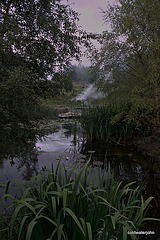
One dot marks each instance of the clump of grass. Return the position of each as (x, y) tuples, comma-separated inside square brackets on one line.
[(100, 123), (56, 206)]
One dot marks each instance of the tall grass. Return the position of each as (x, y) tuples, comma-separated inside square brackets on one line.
[(61, 205), (100, 123)]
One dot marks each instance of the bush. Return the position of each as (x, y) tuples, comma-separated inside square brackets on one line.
[(54, 205)]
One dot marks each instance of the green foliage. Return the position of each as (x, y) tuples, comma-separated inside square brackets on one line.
[(37, 38), (102, 123), (17, 96), (62, 83), (41, 33), (128, 62), (21, 105), (56, 206)]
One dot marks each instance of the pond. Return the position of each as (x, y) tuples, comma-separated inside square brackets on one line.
[(35, 155), (65, 142)]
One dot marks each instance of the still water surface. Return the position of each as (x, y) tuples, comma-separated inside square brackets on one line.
[(60, 144), (66, 143)]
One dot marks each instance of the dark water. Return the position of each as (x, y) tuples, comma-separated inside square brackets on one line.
[(66, 143), (29, 158), (131, 166)]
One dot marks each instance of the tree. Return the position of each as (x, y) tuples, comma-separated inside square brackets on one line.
[(36, 38), (128, 62), (63, 82), (42, 32)]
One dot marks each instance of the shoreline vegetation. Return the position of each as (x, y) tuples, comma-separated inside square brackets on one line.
[(29, 216), (145, 138), (76, 205)]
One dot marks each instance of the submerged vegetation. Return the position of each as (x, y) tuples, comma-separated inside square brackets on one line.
[(58, 204)]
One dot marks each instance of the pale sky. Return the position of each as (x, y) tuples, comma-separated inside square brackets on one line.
[(90, 14), (91, 17)]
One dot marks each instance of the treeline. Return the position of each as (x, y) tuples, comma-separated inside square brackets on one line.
[(82, 74)]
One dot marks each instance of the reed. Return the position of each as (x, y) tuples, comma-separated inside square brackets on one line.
[(99, 124), (61, 205)]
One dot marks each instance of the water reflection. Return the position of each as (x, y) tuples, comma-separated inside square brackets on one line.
[(61, 142), (65, 141), (21, 165), (129, 166)]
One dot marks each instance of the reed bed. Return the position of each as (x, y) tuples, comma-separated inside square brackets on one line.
[(59, 205), (100, 123)]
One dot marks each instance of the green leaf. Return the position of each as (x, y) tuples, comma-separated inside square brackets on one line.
[(89, 230), (6, 190), (21, 226), (65, 193), (75, 188), (30, 229), (113, 222), (14, 216), (124, 233), (26, 204), (69, 211), (53, 199), (47, 218)]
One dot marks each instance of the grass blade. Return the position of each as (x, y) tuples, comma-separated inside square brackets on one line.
[(69, 211)]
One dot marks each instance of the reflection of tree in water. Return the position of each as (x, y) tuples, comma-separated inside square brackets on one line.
[(144, 172), (128, 166), (28, 164), (23, 155), (73, 129), (68, 128), (1, 161), (27, 161), (151, 186)]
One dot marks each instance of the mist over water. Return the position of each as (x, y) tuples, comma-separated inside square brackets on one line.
[(88, 94)]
